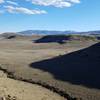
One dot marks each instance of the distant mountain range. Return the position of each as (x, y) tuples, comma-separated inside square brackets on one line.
[(46, 32), (92, 32), (53, 36)]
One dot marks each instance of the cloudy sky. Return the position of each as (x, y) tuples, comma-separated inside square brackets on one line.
[(78, 15)]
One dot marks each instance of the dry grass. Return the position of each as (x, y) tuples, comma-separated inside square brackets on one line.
[(17, 54)]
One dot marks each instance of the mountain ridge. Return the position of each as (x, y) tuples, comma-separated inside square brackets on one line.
[(53, 32)]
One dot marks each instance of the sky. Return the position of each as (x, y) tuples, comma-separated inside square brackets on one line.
[(74, 15)]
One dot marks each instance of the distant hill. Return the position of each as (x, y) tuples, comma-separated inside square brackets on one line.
[(94, 32), (63, 38), (91, 32), (11, 35), (8, 35)]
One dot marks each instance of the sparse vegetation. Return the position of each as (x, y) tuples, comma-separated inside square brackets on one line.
[(17, 54)]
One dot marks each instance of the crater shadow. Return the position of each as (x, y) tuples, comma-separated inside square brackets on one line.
[(79, 67), (61, 39)]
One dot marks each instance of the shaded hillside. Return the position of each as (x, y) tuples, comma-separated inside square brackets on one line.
[(80, 67), (63, 38), (52, 38), (9, 35)]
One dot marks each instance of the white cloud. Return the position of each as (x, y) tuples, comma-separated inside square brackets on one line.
[(13, 7), (23, 10), (12, 3), (1, 1), (55, 3), (75, 1)]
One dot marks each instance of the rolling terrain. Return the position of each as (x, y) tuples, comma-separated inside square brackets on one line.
[(65, 64)]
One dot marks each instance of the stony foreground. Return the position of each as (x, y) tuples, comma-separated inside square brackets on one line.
[(16, 90)]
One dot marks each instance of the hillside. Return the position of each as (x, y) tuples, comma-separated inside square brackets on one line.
[(11, 89), (23, 59), (61, 39), (79, 67)]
